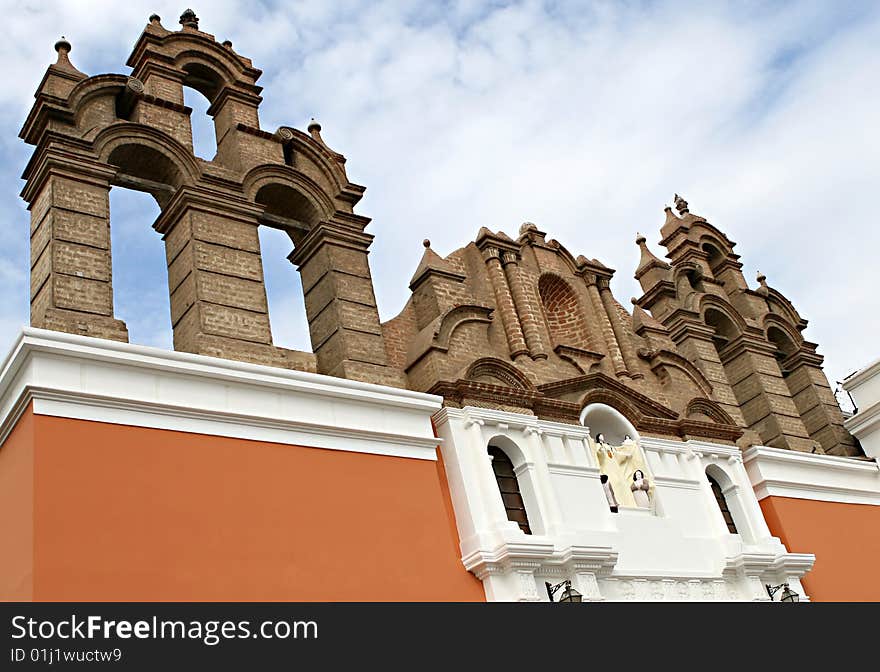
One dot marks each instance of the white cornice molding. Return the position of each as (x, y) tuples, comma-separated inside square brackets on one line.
[(787, 473), (866, 421), (79, 377), (861, 376)]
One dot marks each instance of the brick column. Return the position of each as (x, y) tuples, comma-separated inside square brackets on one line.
[(524, 307), (620, 336), (606, 328), (71, 279), (504, 303), (215, 277), (341, 307)]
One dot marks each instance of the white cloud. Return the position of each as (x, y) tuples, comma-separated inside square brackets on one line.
[(582, 117)]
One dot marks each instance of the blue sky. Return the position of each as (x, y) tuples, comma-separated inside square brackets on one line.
[(583, 117)]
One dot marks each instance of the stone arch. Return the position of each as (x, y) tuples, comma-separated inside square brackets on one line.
[(726, 321), (188, 48), (787, 331), (516, 489), (205, 74), (716, 252), (710, 409), (562, 312), (500, 371), (177, 164), (606, 419), (288, 195), (688, 279), (725, 491)]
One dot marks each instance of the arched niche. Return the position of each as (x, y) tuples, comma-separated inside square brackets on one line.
[(562, 312), (607, 420), (288, 209), (720, 482), (714, 254), (520, 494), (143, 168), (725, 328), (784, 344)]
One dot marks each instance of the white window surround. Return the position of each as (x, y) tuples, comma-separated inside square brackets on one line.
[(683, 553), (72, 376), (828, 478)]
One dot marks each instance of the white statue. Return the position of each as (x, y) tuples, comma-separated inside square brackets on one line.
[(640, 487)]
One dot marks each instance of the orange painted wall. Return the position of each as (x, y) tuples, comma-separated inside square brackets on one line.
[(16, 512), (127, 513), (844, 537)]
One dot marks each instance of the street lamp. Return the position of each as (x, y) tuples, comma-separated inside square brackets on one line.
[(568, 595), (788, 595)]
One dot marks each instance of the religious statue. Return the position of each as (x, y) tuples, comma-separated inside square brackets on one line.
[(619, 464), (609, 493), (640, 487)]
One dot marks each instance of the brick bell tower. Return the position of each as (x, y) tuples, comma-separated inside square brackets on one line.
[(747, 342), (95, 133)]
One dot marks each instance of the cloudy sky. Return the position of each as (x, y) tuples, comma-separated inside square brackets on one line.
[(583, 117)]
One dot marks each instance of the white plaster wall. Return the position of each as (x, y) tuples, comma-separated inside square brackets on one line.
[(678, 550)]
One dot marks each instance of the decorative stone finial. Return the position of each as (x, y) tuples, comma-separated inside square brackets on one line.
[(640, 239), (227, 44), (681, 205), (763, 289), (155, 18), (189, 19), (633, 300), (426, 243), (527, 226), (315, 131), (62, 46)]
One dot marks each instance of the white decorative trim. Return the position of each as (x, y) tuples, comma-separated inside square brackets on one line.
[(865, 423), (84, 378), (674, 482), (828, 478), (572, 470), (862, 376)]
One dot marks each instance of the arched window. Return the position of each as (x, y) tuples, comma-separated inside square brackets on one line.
[(722, 505), (509, 488)]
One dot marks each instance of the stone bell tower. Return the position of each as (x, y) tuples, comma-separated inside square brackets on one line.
[(747, 342), (133, 131)]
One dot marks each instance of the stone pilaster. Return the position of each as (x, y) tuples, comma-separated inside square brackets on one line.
[(762, 394), (71, 274), (340, 305), (816, 404), (694, 340), (215, 277)]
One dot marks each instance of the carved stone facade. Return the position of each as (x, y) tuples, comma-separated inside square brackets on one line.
[(523, 325), (519, 325)]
